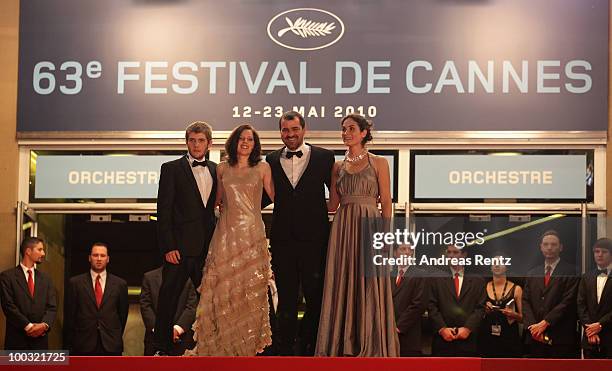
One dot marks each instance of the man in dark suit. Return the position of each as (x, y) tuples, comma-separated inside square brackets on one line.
[(183, 319), (456, 308), (549, 303), (185, 224), (96, 309), (410, 299), (28, 300), (595, 303), (300, 230)]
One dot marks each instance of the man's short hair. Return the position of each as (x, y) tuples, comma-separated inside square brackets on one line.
[(290, 115), (603, 243), (550, 232), (28, 243), (99, 244), (199, 127)]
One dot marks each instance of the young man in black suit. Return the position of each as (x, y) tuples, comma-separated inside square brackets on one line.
[(185, 224), (300, 230), (96, 309), (595, 303), (456, 307), (410, 299), (183, 319), (549, 303), (28, 300)]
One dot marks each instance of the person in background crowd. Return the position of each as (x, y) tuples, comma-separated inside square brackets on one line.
[(96, 309), (456, 308), (549, 303), (499, 331), (595, 303), (410, 299), (28, 300), (183, 319)]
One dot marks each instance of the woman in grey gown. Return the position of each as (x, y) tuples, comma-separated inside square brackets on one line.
[(357, 311)]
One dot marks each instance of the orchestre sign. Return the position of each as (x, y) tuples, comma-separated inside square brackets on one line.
[(125, 65), (91, 176), (486, 176)]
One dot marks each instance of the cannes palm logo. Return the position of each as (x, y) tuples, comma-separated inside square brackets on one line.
[(305, 29)]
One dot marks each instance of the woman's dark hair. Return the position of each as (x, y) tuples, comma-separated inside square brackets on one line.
[(231, 146), (363, 123)]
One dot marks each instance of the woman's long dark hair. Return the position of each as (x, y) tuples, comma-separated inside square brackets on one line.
[(231, 146)]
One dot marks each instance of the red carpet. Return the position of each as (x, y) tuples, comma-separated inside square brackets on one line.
[(316, 364)]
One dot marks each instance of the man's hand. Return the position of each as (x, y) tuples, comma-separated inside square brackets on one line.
[(592, 329), (447, 334), (462, 333), (594, 339), (37, 330), (537, 330), (173, 257), (175, 335)]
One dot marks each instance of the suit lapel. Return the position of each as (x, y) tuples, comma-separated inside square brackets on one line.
[(89, 289), (450, 284), (191, 178), (21, 280), (396, 289), (605, 293), (465, 286), (107, 288), (308, 166), (279, 168), (213, 191)]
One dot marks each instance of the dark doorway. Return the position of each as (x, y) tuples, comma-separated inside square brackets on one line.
[(132, 245)]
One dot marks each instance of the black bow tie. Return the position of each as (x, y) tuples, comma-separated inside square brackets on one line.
[(602, 271), (198, 163), (290, 154)]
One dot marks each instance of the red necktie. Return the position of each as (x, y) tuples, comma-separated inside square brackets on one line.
[(399, 279), (547, 276), (98, 291), (457, 284), (30, 283)]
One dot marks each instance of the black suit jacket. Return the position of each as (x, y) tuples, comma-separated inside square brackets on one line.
[(183, 222), (300, 214), (410, 301), (556, 303), (446, 310), (149, 296), (20, 308), (83, 319), (589, 311)]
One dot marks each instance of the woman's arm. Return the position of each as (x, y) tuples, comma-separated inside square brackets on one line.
[(518, 299), (219, 197), (334, 197), (268, 184), (384, 185)]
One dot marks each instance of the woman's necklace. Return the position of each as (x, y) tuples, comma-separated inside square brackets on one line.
[(498, 301), (359, 157)]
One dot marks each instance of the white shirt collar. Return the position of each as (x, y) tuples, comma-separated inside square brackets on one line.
[(191, 159), (461, 271), (304, 148), (25, 269), (553, 265), (609, 268), (94, 275)]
